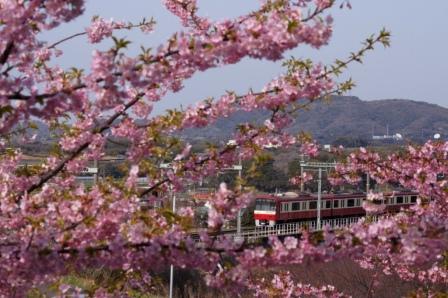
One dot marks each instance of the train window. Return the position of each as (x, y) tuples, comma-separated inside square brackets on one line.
[(328, 204), (400, 200), (406, 199), (390, 201), (304, 206), (295, 206), (342, 202), (358, 202), (264, 205), (285, 207), (351, 203), (313, 205), (413, 199), (336, 204)]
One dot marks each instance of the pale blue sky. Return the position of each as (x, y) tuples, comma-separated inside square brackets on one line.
[(414, 67)]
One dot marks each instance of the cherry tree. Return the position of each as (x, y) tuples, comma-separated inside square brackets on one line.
[(50, 225)]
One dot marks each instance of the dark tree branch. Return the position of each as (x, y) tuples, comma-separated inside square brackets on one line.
[(46, 177), (8, 50), (21, 96)]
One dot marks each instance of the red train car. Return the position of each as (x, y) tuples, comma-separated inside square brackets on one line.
[(292, 207)]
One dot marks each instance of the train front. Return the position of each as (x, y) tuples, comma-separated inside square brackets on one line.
[(265, 213)]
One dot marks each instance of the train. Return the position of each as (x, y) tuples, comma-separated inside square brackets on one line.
[(272, 209)]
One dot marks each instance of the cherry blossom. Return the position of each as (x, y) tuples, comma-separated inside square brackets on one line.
[(52, 226), (100, 28)]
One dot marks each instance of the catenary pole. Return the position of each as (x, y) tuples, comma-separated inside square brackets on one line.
[(319, 198), (240, 213), (171, 266)]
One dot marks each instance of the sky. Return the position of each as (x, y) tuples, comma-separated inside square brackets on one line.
[(414, 67)]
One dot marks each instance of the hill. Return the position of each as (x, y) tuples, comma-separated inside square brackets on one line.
[(347, 117), (343, 119)]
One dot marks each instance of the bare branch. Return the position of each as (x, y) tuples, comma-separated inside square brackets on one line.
[(46, 177), (8, 50)]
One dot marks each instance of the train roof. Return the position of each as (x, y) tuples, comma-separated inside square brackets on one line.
[(305, 196)]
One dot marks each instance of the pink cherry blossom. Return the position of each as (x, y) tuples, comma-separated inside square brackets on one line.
[(52, 225), (100, 28)]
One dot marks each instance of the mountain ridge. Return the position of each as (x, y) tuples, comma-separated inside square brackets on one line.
[(347, 116)]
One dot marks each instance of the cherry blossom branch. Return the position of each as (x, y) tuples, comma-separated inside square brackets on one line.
[(19, 96), (8, 50), (56, 212), (383, 37), (117, 27), (61, 165), (201, 162), (84, 146), (46, 177), (137, 246), (228, 149), (66, 39), (8, 69)]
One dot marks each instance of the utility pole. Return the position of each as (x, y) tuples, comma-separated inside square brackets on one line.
[(238, 167), (319, 166), (302, 161), (240, 213), (95, 174), (173, 197), (319, 198), (368, 183), (171, 266), (302, 185)]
